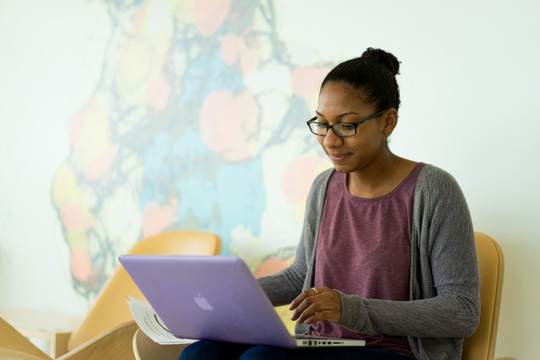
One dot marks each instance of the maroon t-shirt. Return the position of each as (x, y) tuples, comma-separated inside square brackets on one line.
[(364, 249)]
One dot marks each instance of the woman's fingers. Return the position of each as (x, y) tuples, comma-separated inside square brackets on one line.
[(315, 305), (303, 295)]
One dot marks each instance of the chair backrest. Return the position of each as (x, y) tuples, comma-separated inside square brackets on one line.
[(110, 308), (481, 345)]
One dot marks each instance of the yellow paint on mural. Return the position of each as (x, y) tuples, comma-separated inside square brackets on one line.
[(77, 238), (285, 315), (65, 188)]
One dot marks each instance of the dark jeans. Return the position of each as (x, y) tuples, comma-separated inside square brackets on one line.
[(210, 350)]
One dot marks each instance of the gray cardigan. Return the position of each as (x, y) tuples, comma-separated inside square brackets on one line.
[(444, 283)]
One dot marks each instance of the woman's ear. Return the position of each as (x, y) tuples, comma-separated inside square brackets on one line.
[(390, 121)]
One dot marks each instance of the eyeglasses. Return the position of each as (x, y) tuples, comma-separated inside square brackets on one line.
[(341, 130)]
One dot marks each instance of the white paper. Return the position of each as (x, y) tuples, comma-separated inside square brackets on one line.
[(150, 323)]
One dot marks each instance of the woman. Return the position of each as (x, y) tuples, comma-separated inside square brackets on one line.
[(387, 252)]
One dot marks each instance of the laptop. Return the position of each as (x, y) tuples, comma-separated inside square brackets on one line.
[(214, 298)]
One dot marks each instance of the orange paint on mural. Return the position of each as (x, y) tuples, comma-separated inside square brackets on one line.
[(210, 14), (270, 266), (298, 178), (228, 123), (75, 216), (81, 265), (306, 80), (230, 48), (156, 218)]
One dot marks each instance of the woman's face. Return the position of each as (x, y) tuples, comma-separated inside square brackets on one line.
[(340, 103)]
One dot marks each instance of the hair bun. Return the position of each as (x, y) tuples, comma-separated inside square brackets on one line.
[(384, 58)]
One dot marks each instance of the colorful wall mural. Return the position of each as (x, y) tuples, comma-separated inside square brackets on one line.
[(197, 122)]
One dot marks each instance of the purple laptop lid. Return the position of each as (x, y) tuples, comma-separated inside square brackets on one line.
[(208, 297)]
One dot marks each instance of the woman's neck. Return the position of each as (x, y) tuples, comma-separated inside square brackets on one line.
[(380, 178)]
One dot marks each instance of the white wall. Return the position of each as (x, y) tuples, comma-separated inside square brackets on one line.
[(51, 55), (469, 84)]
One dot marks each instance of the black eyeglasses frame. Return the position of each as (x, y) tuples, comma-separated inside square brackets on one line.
[(356, 124)]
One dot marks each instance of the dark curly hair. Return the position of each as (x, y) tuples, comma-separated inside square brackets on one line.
[(375, 73)]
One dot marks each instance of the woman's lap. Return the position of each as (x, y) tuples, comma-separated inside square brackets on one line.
[(209, 350)]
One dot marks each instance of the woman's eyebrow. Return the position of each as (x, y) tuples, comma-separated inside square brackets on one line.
[(340, 115)]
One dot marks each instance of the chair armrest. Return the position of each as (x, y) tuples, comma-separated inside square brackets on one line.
[(114, 344), (13, 341), (6, 354), (145, 348), (56, 328)]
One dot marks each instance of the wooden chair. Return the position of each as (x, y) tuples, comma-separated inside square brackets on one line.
[(114, 344), (13, 345), (110, 308), (481, 345), (145, 348)]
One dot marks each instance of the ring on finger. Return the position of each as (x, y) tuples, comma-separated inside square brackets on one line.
[(316, 291)]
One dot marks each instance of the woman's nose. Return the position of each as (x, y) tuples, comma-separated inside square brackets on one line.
[(331, 139)]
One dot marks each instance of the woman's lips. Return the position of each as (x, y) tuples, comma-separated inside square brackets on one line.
[(338, 157)]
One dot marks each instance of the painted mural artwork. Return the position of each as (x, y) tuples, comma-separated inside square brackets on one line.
[(197, 122)]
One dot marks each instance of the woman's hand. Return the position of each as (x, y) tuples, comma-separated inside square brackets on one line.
[(316, 304)]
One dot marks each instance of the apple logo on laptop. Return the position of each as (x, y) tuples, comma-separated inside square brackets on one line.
[(203, 303)]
